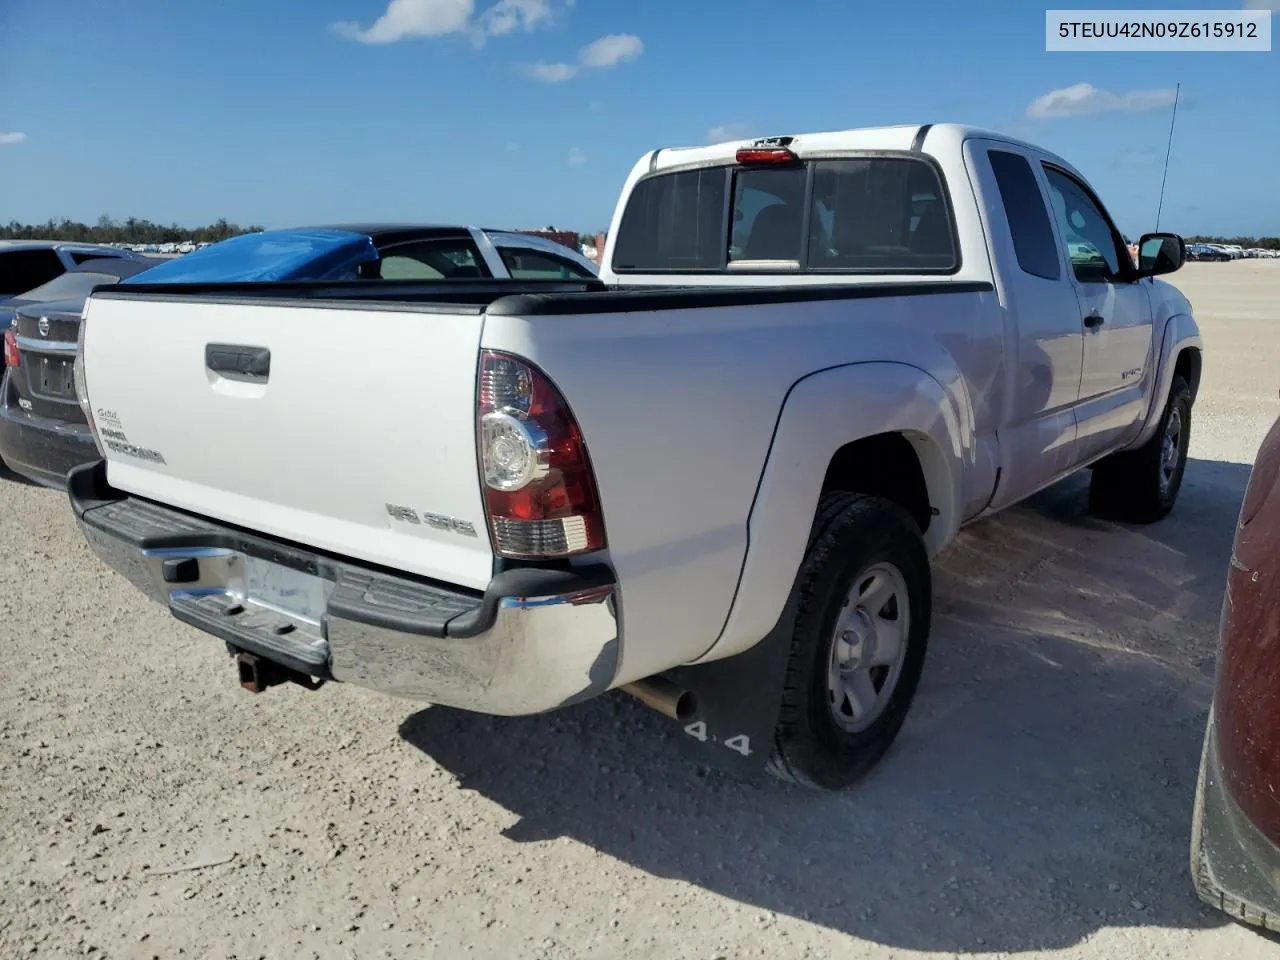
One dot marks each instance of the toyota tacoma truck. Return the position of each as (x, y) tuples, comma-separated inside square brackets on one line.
[(713, 477)]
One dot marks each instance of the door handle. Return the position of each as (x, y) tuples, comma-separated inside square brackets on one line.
[(1094, 320), (236, 362)]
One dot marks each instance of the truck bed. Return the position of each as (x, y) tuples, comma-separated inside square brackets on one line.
[(369, 416)]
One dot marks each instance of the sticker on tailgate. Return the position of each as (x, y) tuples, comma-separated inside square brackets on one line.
[(114, 439)]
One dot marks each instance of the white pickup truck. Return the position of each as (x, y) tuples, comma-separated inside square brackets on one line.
[(714, 477)]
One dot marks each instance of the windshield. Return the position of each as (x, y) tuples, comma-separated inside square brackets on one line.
[(273, 255), (69, 286)]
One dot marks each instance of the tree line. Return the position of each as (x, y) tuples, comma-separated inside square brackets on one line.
[(132, 230)]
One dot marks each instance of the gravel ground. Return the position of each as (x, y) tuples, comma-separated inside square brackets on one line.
[(1037, 802)]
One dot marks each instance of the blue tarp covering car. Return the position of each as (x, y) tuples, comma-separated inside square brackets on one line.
[(318, 253)]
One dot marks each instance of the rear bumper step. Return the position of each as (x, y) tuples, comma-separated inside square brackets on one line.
[(535, 640)]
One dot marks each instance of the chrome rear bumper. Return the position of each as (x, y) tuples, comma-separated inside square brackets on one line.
[(535, 640)]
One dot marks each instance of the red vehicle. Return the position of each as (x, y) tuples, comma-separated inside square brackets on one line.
[(1235, 837)]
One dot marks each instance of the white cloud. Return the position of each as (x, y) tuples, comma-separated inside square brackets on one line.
[(553, 72), (412, 18), (438, 18), (576, 157), (506, 16), (598, 55), (728, 131), (10, 138), (611, 50), (1083, 99)]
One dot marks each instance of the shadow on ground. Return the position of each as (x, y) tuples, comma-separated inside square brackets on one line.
[(1040, 790)]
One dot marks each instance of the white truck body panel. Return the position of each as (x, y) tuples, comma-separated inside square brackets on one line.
[(677, 535)]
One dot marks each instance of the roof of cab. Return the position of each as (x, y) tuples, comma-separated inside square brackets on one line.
[(383, 233), (903, 136)]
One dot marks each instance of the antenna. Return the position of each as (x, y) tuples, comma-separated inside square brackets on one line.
[(1167, 152)]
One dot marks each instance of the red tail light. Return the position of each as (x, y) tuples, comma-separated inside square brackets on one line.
[(769, 155), (12, 357), (539, 488)]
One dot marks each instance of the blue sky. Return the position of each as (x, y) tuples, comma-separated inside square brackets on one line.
[(520, 113)]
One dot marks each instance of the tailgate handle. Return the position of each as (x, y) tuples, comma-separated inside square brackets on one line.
[(236, 362)]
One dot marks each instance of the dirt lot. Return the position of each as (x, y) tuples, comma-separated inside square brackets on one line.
[(1037, 802)]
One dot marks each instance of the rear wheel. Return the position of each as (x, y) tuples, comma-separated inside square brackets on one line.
[(1141, 486), (859, 641)]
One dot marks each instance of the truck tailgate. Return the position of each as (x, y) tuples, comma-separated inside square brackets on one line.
[(349, 431)]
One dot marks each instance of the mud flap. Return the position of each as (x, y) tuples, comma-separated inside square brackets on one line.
[(738, 702)]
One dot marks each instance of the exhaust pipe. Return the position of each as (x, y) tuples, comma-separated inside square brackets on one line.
[(665, 697)]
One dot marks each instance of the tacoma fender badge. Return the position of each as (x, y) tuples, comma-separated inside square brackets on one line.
[(437, 521)]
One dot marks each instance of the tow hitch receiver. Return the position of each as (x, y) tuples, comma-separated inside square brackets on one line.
[(257, 674)]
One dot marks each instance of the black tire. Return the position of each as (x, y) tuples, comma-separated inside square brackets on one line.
[(851, 534), (1131, 486)]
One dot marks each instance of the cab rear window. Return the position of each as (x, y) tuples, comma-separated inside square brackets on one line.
[(674, 222), (881, 214)]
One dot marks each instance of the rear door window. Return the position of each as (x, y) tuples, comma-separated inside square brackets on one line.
[(526, 264), (1029, 225), (428, 260), (23, 270)]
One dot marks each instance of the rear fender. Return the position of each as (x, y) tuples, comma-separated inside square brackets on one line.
[(821, 414), (737, 683)]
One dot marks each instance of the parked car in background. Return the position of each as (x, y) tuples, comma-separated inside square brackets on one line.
[(714, 478), (377, 252), (1235, 837), (43, 432), (26, 264), (1206, 251)]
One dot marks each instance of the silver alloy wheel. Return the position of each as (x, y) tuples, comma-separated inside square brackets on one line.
[(1170, 449), (868, 647)]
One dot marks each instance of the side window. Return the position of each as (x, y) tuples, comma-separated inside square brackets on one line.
[(1024, 208), (525, 264), (428, 260), (1092, 243), (23, 270)]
